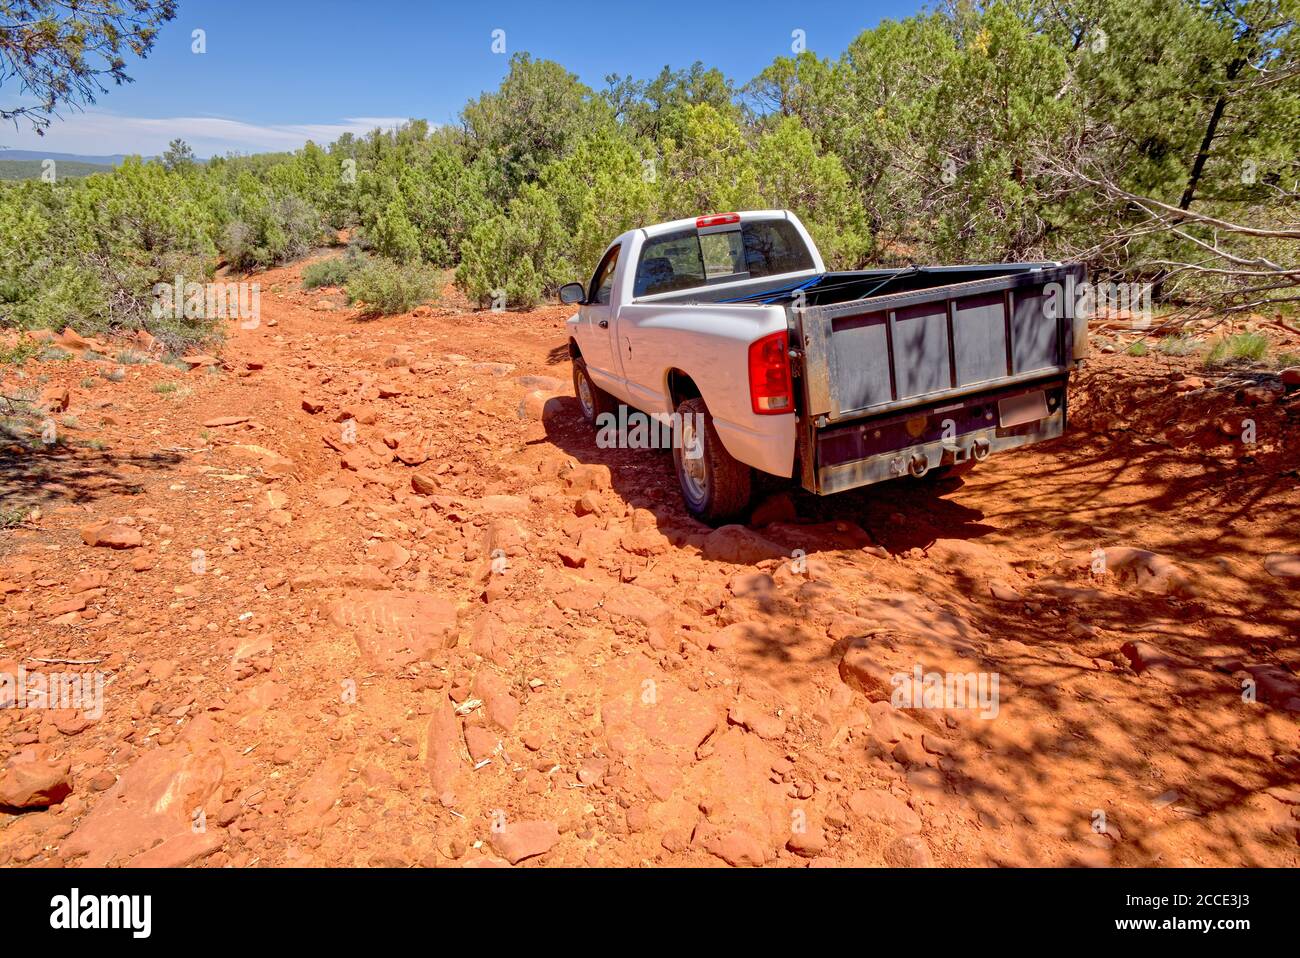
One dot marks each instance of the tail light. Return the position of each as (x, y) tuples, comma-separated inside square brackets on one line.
[(718, 219), (769, 375)]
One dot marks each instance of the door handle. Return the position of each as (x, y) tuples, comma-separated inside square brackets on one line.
[(604, 324)]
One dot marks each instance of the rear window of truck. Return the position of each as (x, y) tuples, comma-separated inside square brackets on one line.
[(689, 258)]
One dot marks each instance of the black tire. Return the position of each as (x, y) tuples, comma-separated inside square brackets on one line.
[(719, 490), (600, 401)]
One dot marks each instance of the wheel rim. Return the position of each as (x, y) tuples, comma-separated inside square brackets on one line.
[(695, 479), (585, 397)]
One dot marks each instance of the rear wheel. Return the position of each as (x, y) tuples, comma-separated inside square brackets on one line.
[(593, 400), (715, 486)]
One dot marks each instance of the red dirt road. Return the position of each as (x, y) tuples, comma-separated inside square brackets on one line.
[(465, 635)]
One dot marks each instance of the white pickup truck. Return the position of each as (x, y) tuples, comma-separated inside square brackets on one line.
[(729, 330)]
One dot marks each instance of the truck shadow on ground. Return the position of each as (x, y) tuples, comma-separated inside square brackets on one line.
[(899, 515)]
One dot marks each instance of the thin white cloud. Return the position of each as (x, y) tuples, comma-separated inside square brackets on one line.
[(102, 134)]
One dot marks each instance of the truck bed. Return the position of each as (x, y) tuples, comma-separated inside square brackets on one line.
[(897, 365), (948, 331), (927, 368)]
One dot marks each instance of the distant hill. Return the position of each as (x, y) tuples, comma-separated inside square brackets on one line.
[(115, 159), (63, 169)]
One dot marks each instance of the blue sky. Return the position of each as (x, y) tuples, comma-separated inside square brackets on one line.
[(278, 72)]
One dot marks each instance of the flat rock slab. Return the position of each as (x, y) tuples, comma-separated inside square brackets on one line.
[(646, 710), (516, 841), (152, 804), (394, 629)]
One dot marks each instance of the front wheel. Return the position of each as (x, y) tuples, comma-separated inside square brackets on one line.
[(591, 398), (715, 486)]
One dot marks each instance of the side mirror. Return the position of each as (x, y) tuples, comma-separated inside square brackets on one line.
[(572, 294)]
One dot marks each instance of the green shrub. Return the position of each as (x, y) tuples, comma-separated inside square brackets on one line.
[(19, 352), (1137, 348), (385, 287), (267, 226), (1248, 347), (330, 272), (522, 254)]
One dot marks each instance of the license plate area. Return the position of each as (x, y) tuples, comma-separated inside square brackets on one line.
[(1018, 410)]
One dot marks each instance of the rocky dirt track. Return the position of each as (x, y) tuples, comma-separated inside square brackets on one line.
[(470, 637)]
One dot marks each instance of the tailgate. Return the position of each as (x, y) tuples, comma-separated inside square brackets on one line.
[(890, 352)]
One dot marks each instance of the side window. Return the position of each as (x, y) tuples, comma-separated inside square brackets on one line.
[(602, 284)]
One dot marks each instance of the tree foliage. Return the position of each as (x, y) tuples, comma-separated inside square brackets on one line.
[(61, 52), (1151, 139)]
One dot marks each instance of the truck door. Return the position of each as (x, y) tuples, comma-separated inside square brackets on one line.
[(599, 347)]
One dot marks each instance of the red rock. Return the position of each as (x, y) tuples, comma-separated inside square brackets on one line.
[(879, 806), (340, 577), (33, 779), (517, 841), (625, 600), (333, 498), (181, 850), (388, 554), (756, 720), (572, 556), (425, 484), (498, 505), (86, 581), (859, 670), (908, 851), (225, 421), (646, 711), (56, 399), (776, 508), (155, 799), (808, 843), (74, 604), (740, 546), (499, 705), (737, 848), (480, 742), (1149, 571), (1005, 593), (585, 477), (442, 748), (1282, 565), (111, 534), (313, 406), (394, 629)]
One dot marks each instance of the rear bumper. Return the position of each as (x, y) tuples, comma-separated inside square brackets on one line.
[(873, 450)]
